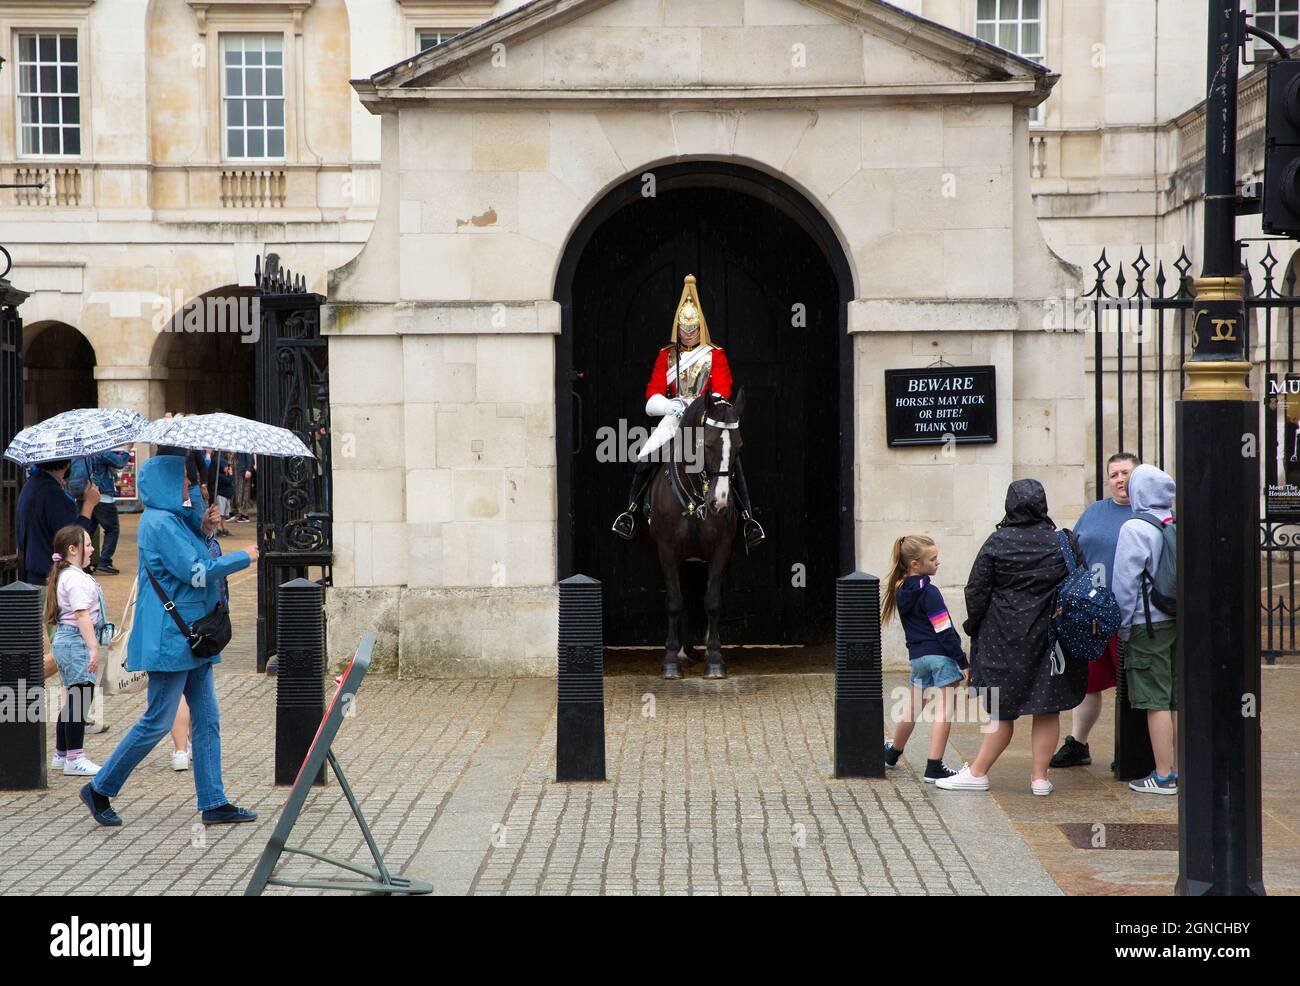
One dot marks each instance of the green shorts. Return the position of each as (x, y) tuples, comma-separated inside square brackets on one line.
[(1150, 666)]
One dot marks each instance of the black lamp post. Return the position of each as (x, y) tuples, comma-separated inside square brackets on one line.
[(1219, 798)]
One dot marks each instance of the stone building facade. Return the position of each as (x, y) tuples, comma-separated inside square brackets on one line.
[(961, 191), (157, 190), (911, 141)]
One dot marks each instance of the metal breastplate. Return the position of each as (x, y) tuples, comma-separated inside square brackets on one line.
[(692, 379)]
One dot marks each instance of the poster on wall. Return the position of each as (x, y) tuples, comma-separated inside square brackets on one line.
[(126, 479), (934, 405), (1282, 434)]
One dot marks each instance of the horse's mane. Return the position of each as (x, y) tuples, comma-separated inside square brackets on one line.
[(695, 411)]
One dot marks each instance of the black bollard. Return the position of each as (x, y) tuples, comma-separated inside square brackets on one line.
[(1133, 757), (300, 685), (23, 764), (859, 682), (1220, 782), (580, 683)]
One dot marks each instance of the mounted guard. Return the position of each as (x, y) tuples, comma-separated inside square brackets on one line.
[(689, 366)]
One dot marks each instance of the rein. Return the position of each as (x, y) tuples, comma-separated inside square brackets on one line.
[(695, 500)]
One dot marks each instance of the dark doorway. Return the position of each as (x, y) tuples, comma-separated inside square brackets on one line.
[(764, 260), (207, 350), (59, 367)]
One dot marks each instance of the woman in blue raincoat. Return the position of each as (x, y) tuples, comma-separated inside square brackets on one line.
[(173, 549)]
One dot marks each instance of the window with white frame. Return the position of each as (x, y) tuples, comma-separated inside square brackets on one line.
[(49, 94), (432, 37), (1280, 18), (252, 96), (1016, 25)]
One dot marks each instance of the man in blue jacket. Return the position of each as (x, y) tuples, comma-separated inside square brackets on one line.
[(173, 549), (101, 470), (44, 506)]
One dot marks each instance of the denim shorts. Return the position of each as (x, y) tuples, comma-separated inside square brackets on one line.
[(71, 655), (934, 671)]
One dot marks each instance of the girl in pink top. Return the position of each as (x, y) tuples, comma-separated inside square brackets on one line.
[(76, 606)]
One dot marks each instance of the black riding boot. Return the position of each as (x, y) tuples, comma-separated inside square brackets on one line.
[(752, 529), (625, 523)]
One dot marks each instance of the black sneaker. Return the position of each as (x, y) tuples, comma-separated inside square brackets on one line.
[(892, 754), (106, 569), (228, 814), (100, 808), (1071, 754), (937, 770)]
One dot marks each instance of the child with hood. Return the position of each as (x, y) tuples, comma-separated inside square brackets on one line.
[(1152, 634), (173, 550), (933, 648)]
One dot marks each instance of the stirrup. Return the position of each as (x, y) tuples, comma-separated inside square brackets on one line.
[(625, 525), (753, 530)]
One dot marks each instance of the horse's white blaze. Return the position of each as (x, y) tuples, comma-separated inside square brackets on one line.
[(724, 482)]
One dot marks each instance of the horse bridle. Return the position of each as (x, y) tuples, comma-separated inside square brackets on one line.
[(721, 426), (681, 488)]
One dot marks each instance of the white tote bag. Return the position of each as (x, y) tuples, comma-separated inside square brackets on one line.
[(117, 679)]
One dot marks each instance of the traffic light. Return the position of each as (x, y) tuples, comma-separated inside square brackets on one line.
[(1281, 214)]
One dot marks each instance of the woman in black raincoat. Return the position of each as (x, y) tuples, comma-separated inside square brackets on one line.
[(1009, 598)]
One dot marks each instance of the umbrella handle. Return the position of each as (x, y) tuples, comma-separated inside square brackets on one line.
[(213, 467)]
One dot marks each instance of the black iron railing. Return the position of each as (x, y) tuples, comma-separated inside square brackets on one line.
[(1140, 315), (294, 496)]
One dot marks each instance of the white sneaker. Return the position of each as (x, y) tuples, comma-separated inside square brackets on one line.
[(1041, 787), (81, 766), (181, 760), (963, 780), (57, 761)]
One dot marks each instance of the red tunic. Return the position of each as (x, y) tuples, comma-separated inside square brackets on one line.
[(719, 375)]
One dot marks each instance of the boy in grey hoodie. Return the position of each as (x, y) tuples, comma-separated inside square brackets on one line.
[(1152, 640)]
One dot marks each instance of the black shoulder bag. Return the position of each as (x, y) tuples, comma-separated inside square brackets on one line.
[(209, 635)]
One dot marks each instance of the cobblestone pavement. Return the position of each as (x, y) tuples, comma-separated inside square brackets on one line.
[(403, 752), (714, 787), (723, 789)]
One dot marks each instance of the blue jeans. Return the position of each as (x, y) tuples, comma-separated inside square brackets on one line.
[(165, 690)]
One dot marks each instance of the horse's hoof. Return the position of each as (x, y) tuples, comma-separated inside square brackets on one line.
[(672, 670), (715, 670)]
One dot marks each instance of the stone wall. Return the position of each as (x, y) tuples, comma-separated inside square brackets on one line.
[(440, 331)]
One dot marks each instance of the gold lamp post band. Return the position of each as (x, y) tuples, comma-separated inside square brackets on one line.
[(1219, 288), (1218, 379)]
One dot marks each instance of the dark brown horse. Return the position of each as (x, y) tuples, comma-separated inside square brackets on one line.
[(693, 518)]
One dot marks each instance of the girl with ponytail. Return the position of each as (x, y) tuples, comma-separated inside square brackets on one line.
[(76, 607), (933, 648)]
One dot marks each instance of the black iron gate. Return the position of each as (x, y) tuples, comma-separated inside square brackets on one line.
[(294, 496), (1140, 315), (11, 419)]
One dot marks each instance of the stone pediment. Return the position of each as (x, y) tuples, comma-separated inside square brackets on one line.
[(570, 50)]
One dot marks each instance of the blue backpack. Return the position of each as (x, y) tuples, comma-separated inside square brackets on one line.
[(1084, 616)]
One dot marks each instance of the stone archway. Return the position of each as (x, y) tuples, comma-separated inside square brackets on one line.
[(759, 248), (203, 356), (59, 370)]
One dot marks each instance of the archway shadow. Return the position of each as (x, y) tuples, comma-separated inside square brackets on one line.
[(775, 284)]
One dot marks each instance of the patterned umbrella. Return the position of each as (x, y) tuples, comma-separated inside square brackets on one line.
[(76, 433), (226, 433)]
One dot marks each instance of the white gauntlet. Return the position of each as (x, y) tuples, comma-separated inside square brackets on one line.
[(659, 405)]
